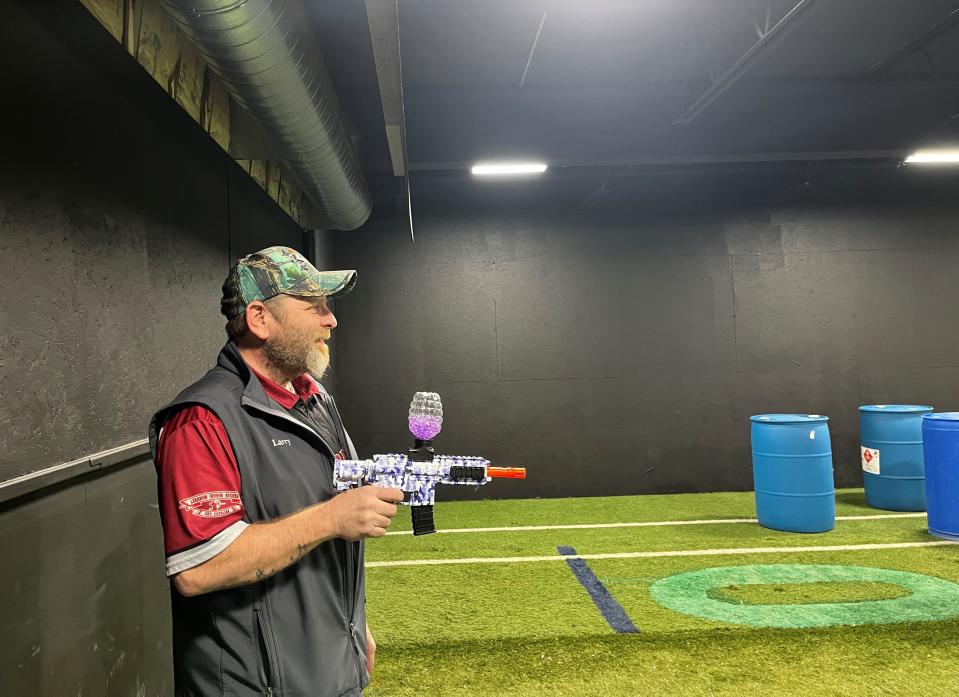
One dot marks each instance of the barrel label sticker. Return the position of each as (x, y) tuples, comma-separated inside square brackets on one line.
[(870, 459)]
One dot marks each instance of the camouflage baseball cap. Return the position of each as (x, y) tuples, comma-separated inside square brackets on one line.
[(275, 270)]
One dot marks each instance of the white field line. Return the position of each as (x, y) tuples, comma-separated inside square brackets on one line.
[(648, 524), (650, 555)]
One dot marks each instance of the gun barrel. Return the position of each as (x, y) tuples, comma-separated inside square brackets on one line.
[(506, 472)]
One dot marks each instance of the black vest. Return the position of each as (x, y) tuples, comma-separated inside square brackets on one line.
[(301, 632)]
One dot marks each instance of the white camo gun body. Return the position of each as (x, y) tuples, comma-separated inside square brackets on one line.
[(418, 479)]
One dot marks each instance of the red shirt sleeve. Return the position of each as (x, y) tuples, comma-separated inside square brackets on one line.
[(198, 479)]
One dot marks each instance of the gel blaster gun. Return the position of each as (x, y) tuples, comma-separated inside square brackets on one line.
[(418, 472)]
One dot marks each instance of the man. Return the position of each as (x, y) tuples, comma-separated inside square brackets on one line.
[(267, 566)]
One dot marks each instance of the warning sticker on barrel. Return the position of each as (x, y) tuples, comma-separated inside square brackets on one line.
[(870, 459)]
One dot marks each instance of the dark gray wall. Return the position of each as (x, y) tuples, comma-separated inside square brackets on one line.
[(119, 218), (123, 218), (86, 604), (620, 346)]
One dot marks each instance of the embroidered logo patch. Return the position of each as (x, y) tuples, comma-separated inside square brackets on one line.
[(213, 504)]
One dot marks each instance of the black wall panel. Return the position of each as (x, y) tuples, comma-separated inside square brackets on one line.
[(119, 218), (86, 604), (621, 349)]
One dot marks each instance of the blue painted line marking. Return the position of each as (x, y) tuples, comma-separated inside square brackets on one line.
[(612, 611)]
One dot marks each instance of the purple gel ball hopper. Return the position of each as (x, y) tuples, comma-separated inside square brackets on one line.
[(426, 415)]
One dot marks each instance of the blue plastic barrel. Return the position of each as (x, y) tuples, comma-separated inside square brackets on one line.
[(890, 447), (792, 472), (940, 450)]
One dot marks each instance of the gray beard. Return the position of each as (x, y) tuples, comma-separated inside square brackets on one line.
[(295, 355)]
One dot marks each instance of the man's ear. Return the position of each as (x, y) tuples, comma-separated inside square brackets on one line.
[(257, 320)]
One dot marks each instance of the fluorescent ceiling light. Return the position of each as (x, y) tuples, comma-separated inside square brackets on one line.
[(934, 157), (499, 168)]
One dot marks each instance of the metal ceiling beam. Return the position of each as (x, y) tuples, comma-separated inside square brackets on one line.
[(951, 20), (681, 160), (532, 49), (384, 37), (597, 91), (746, 62)]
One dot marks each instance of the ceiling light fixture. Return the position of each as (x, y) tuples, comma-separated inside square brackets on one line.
[(934, 157), (507, 168)]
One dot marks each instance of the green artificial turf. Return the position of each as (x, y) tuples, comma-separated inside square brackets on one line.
[(808, 593), (929, 598), (627, 539), (531, 629), (887, 660), (627, 509), (608, 509)]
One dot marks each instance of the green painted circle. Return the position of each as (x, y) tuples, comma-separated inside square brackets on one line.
[(930, 598)]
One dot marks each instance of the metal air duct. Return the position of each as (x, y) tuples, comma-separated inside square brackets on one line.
[(265, 59)]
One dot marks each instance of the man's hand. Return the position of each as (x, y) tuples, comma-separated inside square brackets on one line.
[(363, 512), (370, 651), (262, 549)]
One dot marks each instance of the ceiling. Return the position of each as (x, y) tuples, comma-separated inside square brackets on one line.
[(608, 82)]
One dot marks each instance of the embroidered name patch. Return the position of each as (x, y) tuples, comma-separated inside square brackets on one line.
[(213, 504)]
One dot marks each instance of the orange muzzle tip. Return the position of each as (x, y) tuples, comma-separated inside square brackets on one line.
[(506, 472)]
